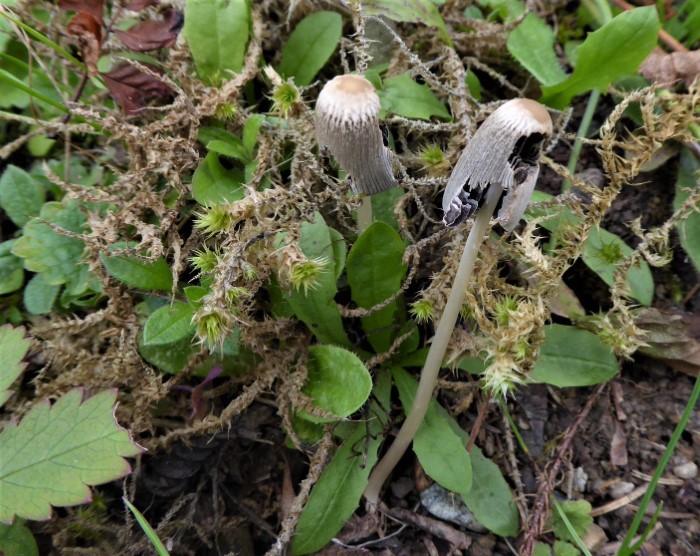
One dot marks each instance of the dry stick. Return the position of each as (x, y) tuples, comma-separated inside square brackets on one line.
[(429, 374), (544, 491)]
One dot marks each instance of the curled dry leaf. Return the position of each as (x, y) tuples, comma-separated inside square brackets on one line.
[(88, 29), (662, 67), (672, 337), (132, 89), (93, 7), (153, 34)]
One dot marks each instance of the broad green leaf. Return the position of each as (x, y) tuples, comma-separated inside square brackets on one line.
[(251, 129), (440, 450), (17, 539), (383, 206), (217, 32), (38, 296), (338, 491), (170, 358), (310, 46), (573, 357), (603, 251), (413, 11), (339, 251), (11, 270), (403, 96), (505, 10), (169, 324), (13, 348), (338, 380), (562, 548), (607, 55), (375, 272), (490, 498), (578, 512), (689, 229), (230, 149), (58, 256), (139, 274), (56, 452), (316, 307), (21, 196), (542, 549), (532, 44), (213, 184)]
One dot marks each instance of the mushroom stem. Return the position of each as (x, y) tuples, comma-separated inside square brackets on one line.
[(364, 214), (436, 354)]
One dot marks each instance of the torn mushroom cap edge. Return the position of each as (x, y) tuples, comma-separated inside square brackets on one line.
[(347, 123)]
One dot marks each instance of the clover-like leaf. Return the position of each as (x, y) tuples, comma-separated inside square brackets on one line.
[(57, 452), (403, 96), (13, 348), (21, 196)]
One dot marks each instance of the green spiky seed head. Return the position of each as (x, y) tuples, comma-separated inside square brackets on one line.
[(226, 111), (214, 220), (501, 377), (285, 98), (236, 294), (422, 311), (204, 260), (432, 156), (212, 326), (610, 253), (505, 309), (305, 274)]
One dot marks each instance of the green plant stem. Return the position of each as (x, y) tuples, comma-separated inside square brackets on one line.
[(582, 132), (364, 214), (147, 529), (513, 427), (436, 354), (625, 549)]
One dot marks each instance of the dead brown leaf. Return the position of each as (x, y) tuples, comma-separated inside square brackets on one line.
[(88, 29), (618, 446), (153, 34), (132, 89), (672, 337), (671, 67), (93, 7)]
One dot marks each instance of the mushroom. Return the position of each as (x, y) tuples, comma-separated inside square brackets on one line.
[(347, 124), (504, 150), (501, 157)]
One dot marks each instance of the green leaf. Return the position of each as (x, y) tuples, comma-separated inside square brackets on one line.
[(603, 251), (169, 358), (39, 296), (17, 540), (337, 381), (383, 206), (490, 498), (542, 549), (212, 184), (439, 448), (578, 513), (169, 324), (217, 32), (231, 149), (139, 274), (21, 196), (13, 348), (562, 548), (251, 129), (52, 456), (310, 46), (375, 272), (573, 357), (316, 307), (412, 11), (58, 256), (11, 270), (339, 251), (689, 229), (338, 491), (147, 529), (532, 44), (606, 55), (403, 96)]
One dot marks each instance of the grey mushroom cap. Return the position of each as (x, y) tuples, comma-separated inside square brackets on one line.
[(347, 123), (503, 151)]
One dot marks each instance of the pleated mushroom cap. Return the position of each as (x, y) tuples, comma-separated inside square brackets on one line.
[(347, 123)]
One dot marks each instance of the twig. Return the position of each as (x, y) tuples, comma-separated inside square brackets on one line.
[(539, 512)]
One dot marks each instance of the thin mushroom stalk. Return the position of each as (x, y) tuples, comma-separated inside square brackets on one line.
[(347, 124), (502, 157)]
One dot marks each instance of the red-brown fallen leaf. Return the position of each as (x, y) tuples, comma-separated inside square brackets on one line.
[(153, 34), (138, 5), (93, 7), (672, 337), (669, 68), (88, 29), (132, 89)]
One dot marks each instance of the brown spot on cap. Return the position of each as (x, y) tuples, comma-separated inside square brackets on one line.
[(525, 115)]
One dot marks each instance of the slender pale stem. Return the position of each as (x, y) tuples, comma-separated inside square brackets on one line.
[(436, 354), (364, 214)]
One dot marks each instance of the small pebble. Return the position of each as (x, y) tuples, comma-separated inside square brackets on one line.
[(579, 480), (686, 470), (448, 506), (621, 488)]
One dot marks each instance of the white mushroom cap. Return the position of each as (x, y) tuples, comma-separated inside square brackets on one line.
[(347, 122), (508, 140)]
